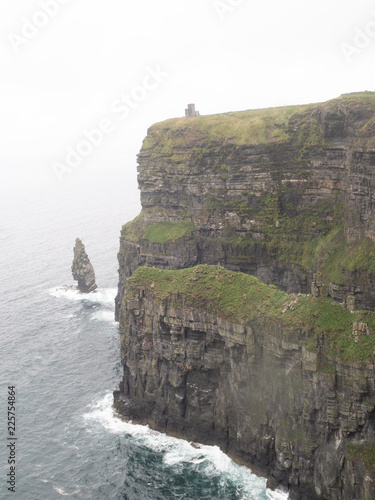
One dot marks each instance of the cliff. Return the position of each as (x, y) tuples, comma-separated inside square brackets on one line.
[(278, 381), (281, 194), (277, 375)]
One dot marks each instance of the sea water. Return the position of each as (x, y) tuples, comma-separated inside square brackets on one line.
[(60, 350)]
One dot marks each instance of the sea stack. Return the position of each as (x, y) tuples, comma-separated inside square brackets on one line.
[(82, 269)]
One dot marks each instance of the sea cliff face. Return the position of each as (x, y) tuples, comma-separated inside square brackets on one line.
[(281, 381), (285, 194), (262, 379)]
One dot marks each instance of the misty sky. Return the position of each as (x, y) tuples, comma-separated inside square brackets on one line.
[(74, 71)]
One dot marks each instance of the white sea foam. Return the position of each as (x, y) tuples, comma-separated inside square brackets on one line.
[(100, 414), (60, 491), (276, 495), (104, 315), (103, 296), (210, 459), (66, 292)]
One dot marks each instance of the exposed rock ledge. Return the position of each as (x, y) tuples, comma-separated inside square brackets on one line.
[(285, 194), (285, 384), (269, 390)]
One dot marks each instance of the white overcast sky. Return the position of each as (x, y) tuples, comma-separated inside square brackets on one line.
[(69, 75)]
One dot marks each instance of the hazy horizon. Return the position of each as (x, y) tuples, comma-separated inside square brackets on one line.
[(72, 68)]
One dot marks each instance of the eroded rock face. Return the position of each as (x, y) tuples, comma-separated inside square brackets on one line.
[(258, 200), (259, 394), (82, 269), (290, 201)]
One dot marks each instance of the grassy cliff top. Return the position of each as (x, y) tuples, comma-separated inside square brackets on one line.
[(257, 126), (239, 297)]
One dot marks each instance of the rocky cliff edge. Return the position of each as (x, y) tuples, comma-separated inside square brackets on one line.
[(282, 381)]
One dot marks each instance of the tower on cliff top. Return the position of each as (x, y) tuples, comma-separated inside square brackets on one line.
[(190, 111)]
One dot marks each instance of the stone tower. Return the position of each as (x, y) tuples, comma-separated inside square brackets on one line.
[(190, 111)]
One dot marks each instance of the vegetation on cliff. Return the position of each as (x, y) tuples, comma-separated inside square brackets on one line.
[(159, 232), (333, 257), (239, 297), (298, 125), (364, 454), (278, 179), (285, 194), (308, 238)]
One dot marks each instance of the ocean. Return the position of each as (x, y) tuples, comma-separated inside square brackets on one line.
[(60, 352)]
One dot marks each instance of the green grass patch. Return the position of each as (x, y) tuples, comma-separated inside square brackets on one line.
[(243, 244), (292, 236), (210, 288), (252, 127), (333, 256), (162, 232), (298, 125), (313, 241), (364, 454), (133, 230), (242, 298), (159, 232)]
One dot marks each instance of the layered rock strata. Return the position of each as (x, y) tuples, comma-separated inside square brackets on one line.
[(270, 389), (284, 383), (82, 269), (285, 194)]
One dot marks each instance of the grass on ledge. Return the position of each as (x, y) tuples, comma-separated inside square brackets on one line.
[(133, 230), (365, 455), (239, 297), (161, 232), (337, 257)]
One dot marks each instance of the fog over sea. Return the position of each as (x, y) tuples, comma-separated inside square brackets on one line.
[(61, 352)]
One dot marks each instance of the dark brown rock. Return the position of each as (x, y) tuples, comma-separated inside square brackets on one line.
[(254, 199), (82, 269), (258, 394), (247, 200)]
